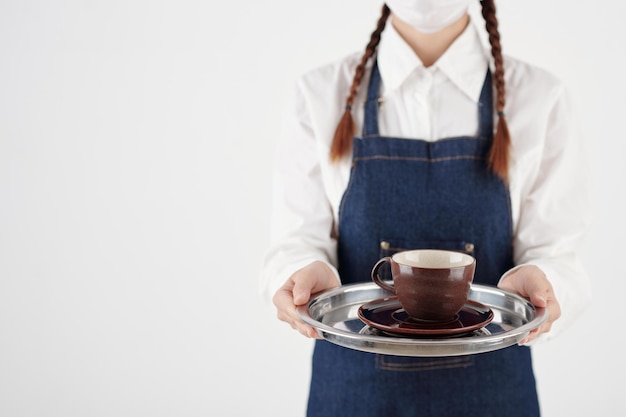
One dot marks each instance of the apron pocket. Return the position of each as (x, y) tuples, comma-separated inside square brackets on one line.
[(389, 246), (409, 364)]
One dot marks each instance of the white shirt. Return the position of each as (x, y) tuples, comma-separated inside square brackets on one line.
[(547, 168)]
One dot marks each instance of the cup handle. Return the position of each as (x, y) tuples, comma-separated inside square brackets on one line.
[(377, 279)]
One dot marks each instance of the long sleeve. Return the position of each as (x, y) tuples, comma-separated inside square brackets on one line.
[(302, 217), (554, 212)]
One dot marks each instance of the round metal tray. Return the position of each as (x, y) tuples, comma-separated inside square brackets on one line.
[(334, 313)]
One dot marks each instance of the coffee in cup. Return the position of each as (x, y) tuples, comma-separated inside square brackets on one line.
[(430, 284)]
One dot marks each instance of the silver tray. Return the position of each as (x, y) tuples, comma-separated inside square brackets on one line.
[(334, 313)]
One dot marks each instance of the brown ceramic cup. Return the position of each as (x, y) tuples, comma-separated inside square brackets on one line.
[(430, 284)]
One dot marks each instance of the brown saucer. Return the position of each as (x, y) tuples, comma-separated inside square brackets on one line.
[(388, 315)]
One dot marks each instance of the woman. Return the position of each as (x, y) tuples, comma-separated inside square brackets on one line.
[(429, 140)]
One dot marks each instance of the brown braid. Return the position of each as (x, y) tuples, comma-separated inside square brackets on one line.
[(342, 141), (499, 154)]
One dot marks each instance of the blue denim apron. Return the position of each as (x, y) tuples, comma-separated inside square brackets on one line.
[(409, 194)]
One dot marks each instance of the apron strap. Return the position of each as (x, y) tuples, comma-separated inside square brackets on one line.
[(370, 120)]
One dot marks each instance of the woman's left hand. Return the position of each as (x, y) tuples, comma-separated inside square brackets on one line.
[(530, 282)]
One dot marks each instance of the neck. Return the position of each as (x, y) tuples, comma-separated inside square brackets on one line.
[(430, 46)]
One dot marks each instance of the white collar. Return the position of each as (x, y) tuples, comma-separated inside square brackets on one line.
[(464, 62)]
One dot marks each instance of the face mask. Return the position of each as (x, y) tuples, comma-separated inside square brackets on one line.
[(428, 16)]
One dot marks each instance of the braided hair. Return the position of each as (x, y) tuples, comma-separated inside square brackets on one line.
[(499, 153)]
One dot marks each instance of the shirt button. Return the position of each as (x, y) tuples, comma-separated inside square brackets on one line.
[(428, 79)]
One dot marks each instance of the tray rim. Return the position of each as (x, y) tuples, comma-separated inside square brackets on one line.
[(397, 345)]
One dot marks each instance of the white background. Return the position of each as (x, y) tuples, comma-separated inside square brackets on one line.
[(135, 156)]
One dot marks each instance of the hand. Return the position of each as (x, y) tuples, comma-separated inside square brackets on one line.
[(530, 282), (297, 291)]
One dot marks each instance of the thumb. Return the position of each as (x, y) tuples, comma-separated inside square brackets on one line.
[(529, 282), (536, 288), (538, 298), (312, 278), (302, 291)]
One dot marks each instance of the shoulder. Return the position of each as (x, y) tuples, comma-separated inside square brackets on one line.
[(323, 90), (540, 110), (331, 78), (529, 82)]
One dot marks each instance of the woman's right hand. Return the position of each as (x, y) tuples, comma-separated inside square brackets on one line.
[(297, 290)]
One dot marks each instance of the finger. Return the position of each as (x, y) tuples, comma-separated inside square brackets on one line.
[(539, 291), (302, 292), (282, 301), (535, 333), (530, 284), (307, 283), (286, 311), (554, 312), (308, 331), (304, 328), (525, 286), (529, 338), (285, 308)]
